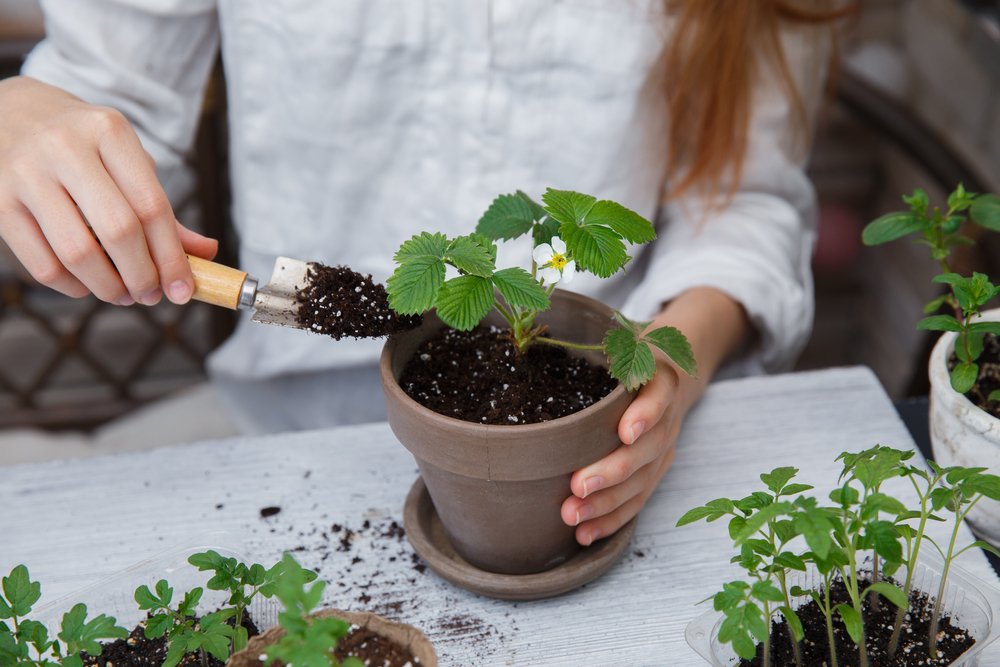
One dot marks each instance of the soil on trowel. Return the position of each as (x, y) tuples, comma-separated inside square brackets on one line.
[(479, 376), (339, 302), (879, 619)]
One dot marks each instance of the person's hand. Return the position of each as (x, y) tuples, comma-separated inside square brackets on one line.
[(609, 492), (80, 204)]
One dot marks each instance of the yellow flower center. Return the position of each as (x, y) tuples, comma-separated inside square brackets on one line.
[(558, 261)]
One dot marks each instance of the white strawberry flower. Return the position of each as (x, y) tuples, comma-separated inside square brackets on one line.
[(553, 263)]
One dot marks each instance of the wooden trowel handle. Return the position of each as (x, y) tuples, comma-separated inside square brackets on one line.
[(217, 284)]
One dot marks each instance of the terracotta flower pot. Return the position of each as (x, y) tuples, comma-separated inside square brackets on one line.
[(963, 434), (498, 489), (406, 636)]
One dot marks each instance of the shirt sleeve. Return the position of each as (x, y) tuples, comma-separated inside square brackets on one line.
[(149, 59), (756, 247)]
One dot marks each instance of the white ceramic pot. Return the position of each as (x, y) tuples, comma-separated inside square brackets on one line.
[(963, 434)]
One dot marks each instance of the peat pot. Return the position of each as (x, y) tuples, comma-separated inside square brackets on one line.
[(963, 434), (498, 489), (405, 636)]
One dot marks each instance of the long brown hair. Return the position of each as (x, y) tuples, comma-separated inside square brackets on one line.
[(711, 63)]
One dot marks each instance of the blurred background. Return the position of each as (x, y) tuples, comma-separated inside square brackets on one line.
[(916, 103)]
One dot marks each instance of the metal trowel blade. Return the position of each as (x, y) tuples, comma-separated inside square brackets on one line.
[(276, 301)]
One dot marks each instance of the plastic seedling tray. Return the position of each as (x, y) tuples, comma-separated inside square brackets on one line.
[(114, 595), (972, 604)]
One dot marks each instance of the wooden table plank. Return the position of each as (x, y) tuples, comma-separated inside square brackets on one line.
[(78, 521)]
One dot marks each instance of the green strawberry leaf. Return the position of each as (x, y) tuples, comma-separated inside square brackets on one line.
[(673, 344), (631, 362), (596, 249), (466, 254), (627, 223), (568, 207), (463, 302), (414, 285), (520, 290), (508, 217)]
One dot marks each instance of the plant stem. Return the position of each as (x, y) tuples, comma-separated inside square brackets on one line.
[(936, 612), (767, 635), (567, 344), (796, 651), (911, 565), (828, 613)]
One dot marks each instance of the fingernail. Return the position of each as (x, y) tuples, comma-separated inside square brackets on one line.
[(592, 484), (151, 298), (179, 291), (636, 430), (593, 537), (584, 513), (126, 300)]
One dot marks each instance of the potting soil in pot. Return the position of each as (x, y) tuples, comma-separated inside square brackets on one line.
[(478, 376), (340, 302), (989, 375), (374, 650), (912, 651)]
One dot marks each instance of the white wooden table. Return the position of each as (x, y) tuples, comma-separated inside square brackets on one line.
[(75, 522)]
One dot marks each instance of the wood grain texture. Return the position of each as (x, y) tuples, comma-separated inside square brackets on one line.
[(76, 522), (216, 284)]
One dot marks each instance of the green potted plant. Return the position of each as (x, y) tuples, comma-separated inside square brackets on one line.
[(964, 367), (497, 482), (850, 579), (170, 624)]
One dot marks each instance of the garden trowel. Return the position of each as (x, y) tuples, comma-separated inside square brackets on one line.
[(274, 303)]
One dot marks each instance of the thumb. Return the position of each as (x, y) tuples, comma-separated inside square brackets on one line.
[(649, 405)]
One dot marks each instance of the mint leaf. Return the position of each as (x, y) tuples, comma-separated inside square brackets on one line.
[(627, 223), (985, 212), (673, 344), (21, 592), (566, 206), (933, 305), (631, 362), (467, 255), (964, 376), (463, 302), (892, 226), (520, 290), (939, 323), (508, 217), (985, 327), (596, 249), (918, 201), (422, 245), (414, 285), (968, 346)]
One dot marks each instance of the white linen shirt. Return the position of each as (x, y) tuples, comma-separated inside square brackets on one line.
[(357, 123)]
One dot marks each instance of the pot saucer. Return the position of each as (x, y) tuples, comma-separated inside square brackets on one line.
[(427, 537)]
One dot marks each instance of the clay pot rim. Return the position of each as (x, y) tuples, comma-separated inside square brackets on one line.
[(937, 371), (555, 425)]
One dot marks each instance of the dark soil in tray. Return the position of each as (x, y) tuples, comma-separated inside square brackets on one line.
[(912, 651), (340, 302), (478, 376), (989, 375), (137, 651)]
